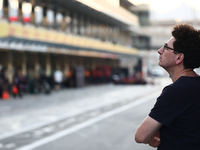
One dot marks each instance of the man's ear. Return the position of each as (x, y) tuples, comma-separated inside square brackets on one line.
[(179, 58)]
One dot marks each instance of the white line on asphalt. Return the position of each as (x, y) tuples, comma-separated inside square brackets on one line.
[(88, 123), (41, 124)]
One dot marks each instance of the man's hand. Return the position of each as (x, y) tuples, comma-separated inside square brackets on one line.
[(155, 139)]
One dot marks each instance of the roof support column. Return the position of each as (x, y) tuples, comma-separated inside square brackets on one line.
[(68, 20), (36, 65), (58, 66), (82, 26), (9, 71), (48, 65), (93, 63), (66, 65), (88, 27), (87, 62), (24, 64), (73, 61), (75, 24)]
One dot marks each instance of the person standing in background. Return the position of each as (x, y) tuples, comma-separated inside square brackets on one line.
[(58, 79), (16, 90)]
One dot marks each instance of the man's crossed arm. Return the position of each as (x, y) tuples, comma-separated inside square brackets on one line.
[(148, 132)]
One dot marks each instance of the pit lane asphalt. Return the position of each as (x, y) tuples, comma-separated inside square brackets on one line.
[(33, 111)]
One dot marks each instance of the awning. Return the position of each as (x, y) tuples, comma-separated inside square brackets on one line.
[(30, 33), (19, 44), (103, 11)]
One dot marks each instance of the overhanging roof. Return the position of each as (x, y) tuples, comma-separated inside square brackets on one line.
[(101, 10), (20, 44)]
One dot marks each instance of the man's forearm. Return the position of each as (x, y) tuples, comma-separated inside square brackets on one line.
[(146, 130)]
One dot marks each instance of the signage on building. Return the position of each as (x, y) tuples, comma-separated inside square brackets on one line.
[(50, 17), (26, 10), (38, 15), (59, 18), (38, 34), (1, 9), (13, 7)]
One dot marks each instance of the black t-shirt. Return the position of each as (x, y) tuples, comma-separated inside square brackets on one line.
[(178, 109)]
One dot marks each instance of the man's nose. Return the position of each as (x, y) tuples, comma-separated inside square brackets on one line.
[(160, 51)]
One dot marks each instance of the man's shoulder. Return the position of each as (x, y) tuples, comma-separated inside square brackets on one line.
[(183, 87), (188, 82)]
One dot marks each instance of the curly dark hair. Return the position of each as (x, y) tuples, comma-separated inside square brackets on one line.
[(187, 41)]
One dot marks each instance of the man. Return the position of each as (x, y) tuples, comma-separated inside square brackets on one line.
[(58, 79), (174, 121)]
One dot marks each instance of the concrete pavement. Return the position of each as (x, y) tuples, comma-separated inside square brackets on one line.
[(32, 111)]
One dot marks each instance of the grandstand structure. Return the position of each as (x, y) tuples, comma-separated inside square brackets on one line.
[(47, 35)]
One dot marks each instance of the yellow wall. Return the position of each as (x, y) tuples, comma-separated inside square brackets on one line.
[(46, 35)]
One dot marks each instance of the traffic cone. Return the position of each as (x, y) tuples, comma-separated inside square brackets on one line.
[(5, 95)]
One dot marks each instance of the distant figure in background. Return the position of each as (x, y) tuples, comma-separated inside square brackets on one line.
[(16, 90), (58, 79)]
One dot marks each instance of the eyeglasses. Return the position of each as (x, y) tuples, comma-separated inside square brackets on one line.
[(165, 46)]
